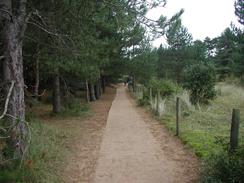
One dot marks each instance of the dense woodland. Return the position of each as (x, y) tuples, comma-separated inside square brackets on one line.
[(59, 47)]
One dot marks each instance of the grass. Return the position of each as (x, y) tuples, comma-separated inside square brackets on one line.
[(44, 156), (49, 148), (79, 110), (207, 130)]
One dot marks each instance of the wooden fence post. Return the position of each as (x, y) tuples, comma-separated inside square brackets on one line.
[(150, 93), (151, 97), (87, 92), (234, 129), (143, 92), (157, 106), (177, 115)]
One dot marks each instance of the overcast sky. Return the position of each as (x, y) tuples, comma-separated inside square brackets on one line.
[(202, 17)]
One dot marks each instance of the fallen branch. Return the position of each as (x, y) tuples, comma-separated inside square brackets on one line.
[(29, 94), (4, 137), (6, 161)]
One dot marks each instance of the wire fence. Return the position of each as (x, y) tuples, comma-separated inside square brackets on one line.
[(187, 119)]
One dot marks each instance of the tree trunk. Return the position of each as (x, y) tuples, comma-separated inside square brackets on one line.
[(6, 71), (92, 92), (87, 92), (56, 95), (97, 93), (134, 83), (100, 85), (37, 78), (13, 32), (103, 83)]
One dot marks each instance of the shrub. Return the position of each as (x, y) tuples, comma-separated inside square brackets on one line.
[(224, 168), (200, 81), (143, 101), (165, 87)]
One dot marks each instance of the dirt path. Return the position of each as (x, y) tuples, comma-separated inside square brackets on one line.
[(131, 151), (82, 140), (85, 146)]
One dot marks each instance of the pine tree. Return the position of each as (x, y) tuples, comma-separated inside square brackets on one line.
[(239, 10)]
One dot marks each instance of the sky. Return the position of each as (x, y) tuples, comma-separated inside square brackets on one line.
[(202, 17)]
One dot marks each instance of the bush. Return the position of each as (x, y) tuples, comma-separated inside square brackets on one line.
[(165, 87), (200, 81), (144, 100), (224, 168)]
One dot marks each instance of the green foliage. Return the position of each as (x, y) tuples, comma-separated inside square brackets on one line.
[(178, 35), (165, 87), (239, 9), (45, 153), (143, 101), (224, 168), (226, 53), (181, 53), (200, 81), (207, 130), (9, 175), (144, 66), (44, 157), (74, 107)]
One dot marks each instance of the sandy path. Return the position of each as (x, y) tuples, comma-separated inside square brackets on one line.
[(85, 144), (130, 153)]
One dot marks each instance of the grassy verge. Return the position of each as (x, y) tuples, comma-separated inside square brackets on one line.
[(208, 130), (49, 148), (45, 153)]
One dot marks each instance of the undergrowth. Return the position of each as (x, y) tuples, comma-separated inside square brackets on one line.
[(224, 167), (207, 129), (46, 151), (74, 108)]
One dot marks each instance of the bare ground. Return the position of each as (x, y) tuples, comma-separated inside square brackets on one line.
[(83, 142), (86, 145)]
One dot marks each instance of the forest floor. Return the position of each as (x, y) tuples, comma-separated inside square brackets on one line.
[(135, 148), (78, 149), (85, 146)]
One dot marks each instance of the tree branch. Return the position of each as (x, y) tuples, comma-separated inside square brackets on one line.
[(42, 28), (7, 100), (7, 12), (2, 57), (29, 94)]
